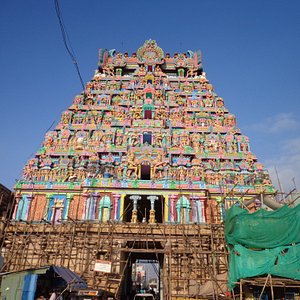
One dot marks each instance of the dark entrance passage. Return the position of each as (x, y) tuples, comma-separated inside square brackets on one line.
[(143, 208), (128, 207), (143, 270)]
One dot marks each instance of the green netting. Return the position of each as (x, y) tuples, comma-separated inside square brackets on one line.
[(263, 229), (264, 242), (281, 261)]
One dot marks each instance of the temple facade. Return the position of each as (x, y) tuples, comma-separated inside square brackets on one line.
[(147, 140), (141, 166)]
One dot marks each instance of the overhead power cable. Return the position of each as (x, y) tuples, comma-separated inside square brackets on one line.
[(66, 40)]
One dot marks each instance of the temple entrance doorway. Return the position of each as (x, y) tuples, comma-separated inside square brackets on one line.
[(142, 269), (142, 205)]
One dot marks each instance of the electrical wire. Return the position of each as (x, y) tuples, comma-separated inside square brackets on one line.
[(67, 42), (71, 52)]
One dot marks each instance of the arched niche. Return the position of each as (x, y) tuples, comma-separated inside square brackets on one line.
[(183, 208), (57, 208), (104, 209), (148, 111), (147, 138), (90, 208)]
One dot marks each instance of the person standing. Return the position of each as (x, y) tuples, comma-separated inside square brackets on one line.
[(53, 296)]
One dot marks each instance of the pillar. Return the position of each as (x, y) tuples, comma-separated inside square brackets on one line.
[(121, 208), (135, 199), (166, 217), (152, 209)]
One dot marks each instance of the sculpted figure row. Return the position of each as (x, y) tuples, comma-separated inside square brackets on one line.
[(130, 170), (95, 139)]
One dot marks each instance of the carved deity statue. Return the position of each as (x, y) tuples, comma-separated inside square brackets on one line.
[(158, 163), (119, 138), (159, 139), (108, 70), (135, 139), (132, 165), (137, 113), (191, 72)]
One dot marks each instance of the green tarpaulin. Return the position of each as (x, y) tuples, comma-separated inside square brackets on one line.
[(281, 261), (264, 242), (263, 229)]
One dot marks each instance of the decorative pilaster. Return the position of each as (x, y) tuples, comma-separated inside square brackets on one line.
[(201, 202), (69, 197), (29, 197), (17, 198), (47, 210), (195, 210), (85, 195), (116, 198), (221, 208), (172, 199), (96, 197)]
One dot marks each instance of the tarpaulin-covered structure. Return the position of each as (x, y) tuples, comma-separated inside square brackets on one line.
[(27, 284), (264, 242)]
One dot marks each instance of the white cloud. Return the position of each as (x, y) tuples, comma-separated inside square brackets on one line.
[(287, 163), (277, 123), (292, 145)]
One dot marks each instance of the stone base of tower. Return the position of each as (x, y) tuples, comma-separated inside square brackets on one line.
[(188, 255)]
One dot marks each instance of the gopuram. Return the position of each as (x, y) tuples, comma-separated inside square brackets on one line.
[(142, 165)]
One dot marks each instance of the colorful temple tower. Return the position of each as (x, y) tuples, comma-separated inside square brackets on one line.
[(148, 142), (148, 139)]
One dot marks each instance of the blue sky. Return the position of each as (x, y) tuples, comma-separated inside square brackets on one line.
[(251, 54)]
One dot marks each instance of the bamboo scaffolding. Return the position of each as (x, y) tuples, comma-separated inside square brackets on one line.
[(78, 245)]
